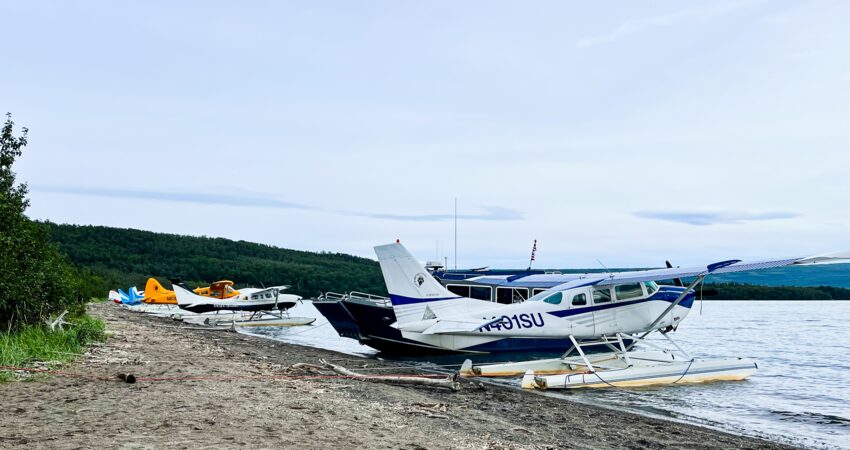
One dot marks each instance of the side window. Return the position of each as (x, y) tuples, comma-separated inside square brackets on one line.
[(601, 296), (511, 295), (459, 289), (579, 300), (555, 298), (480, 292), (253, 296), (537, 291), (628, 291)]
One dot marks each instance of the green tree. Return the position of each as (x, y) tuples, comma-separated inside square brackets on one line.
[(35, 279)]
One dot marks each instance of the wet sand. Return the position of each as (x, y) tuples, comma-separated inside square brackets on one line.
[(238, 404)]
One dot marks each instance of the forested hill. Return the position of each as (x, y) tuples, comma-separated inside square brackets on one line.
[(115, 257), (109, 258)]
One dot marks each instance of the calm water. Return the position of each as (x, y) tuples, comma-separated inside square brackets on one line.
[(801, 394)]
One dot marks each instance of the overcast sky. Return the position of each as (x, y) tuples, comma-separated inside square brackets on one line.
[(629, 132)]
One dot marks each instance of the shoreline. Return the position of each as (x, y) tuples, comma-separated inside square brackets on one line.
[(242, 393)]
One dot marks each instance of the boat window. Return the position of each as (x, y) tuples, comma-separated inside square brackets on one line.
[(537, 291), (579, 300), (506, 296), (458, 289), (480, 292), (628, 291), (215, 293), (555, 298), (601, 296), (253, 296), (268, 295), (651, 287)]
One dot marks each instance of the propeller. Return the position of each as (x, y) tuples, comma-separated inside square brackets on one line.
[(676, 281), (179, 282), (703, 292)]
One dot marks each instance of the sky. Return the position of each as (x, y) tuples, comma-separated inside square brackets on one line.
[(616, 133)]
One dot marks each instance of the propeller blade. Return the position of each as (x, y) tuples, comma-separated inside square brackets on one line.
[(676, 281)]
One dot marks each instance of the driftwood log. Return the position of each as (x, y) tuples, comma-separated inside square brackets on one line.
[(448, 382)]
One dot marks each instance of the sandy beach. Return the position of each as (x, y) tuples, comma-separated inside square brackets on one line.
[(217, 389)]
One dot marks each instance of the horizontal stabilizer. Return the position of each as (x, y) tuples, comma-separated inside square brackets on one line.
[(459, 326)]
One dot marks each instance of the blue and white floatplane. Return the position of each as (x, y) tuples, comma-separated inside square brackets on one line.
[(369, 318), (616, 310)]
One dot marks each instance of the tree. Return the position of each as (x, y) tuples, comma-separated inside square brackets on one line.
[(35, 279)]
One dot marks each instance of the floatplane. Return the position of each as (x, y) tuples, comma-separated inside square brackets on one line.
[(133, 298), (250, 307), (592, 309)]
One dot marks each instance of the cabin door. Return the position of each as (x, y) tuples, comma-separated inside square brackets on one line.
[(604, 313)]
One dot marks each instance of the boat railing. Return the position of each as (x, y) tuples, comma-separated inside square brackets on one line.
[(380, 300)]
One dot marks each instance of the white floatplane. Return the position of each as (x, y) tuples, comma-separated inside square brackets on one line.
[(251, 308), (594, 308)]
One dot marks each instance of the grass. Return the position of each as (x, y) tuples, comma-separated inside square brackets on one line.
[(37, 343)]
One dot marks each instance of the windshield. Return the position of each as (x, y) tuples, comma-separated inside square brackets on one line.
[(541, 295), (651, 287)]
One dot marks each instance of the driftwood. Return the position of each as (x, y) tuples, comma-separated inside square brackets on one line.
[(448, 382), (311, 367)]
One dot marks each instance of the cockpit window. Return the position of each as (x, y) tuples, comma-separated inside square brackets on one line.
[(651, 287), (601, 296), (628, 291), (555, 298)]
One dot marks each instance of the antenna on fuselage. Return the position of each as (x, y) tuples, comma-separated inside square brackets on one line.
[(604, 267), (533, 251), (455, 233)]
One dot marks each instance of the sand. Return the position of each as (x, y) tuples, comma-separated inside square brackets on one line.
[(239, 404)]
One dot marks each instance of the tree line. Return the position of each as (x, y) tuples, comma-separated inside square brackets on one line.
[(114, 257), (117, 257)]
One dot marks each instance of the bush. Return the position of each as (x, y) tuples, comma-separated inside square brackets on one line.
[(38, 343)]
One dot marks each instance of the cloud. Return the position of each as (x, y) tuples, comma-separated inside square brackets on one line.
[(186, 197), (714, 217), (494, 213), (630, 27)]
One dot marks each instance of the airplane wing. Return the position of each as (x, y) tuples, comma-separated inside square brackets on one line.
[(730, 266)]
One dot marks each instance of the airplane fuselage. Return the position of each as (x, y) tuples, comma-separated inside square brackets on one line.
[(581, 312)]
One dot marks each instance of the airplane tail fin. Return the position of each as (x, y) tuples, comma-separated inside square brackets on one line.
[(114, 296), (185, 296), (157, 293), (125, 297), (415, 295)]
